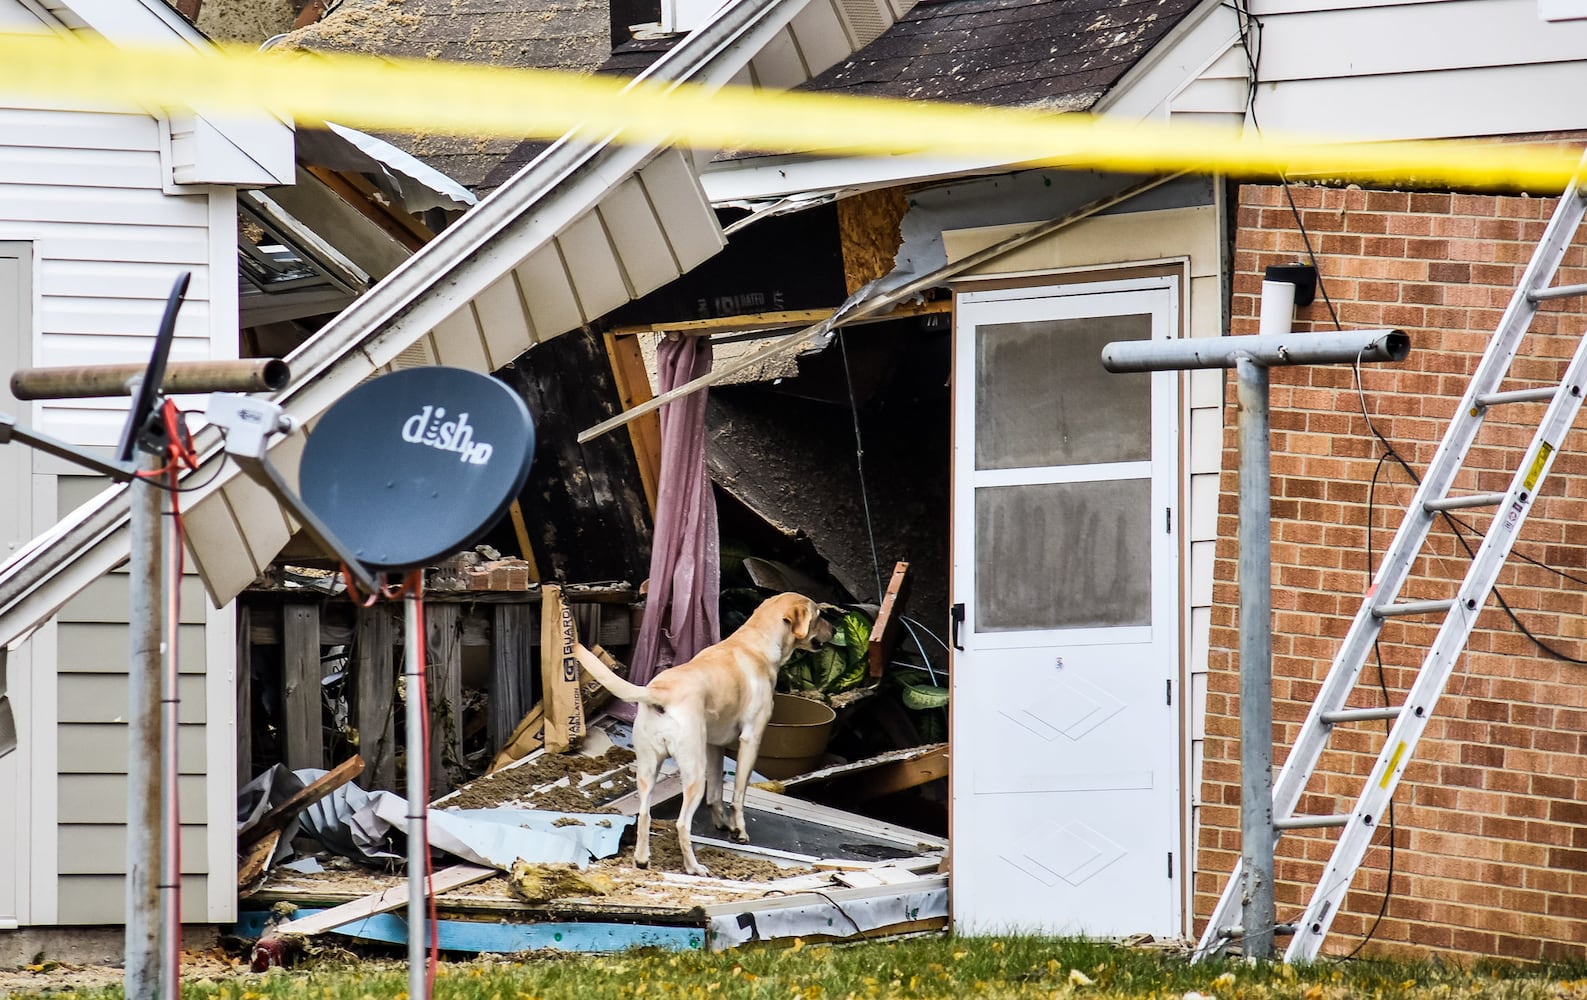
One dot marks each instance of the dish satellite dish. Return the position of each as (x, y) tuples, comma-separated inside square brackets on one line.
[(415, 465)]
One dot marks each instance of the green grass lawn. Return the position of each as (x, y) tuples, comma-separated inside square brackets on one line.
[(928, 966)]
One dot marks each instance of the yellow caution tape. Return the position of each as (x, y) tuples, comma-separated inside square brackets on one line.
[(415, 95)]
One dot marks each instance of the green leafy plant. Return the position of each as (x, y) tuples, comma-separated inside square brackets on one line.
[(837, 666)]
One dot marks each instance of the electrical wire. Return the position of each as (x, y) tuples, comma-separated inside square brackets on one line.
[(859, 462)]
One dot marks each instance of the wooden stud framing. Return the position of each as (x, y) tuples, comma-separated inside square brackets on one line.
[(375, 674), (300, 681)]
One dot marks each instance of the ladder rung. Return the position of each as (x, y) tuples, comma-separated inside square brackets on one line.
[(1310, 822), (1459, 503), (1360, 715), (1518, 396), (1411, 608), (1235, 931), (1557, 292)]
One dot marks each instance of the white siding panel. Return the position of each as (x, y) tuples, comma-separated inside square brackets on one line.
[(458, 342), (1206, 441), (820, 36), (21, 127), (126, 317), (779, 66), (86, 748), (641, 242), (1204, 507), (102, 798), (102, 698), (1452, 35), (153, 245), (121, 279), (104, 648), (101, 899), (263, 524), (227, 563), (1201, 578), (1509, 100), (93, 168), (101, 849), (15, 17), (1218, 95), (592, 262), (548, 292), (691, 226), (121, 206), (106, 600), (504, 319)]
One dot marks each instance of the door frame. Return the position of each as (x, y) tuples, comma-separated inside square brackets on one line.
[(1174, 274)]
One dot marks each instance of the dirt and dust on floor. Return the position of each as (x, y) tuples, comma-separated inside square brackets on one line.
[(802, 856)]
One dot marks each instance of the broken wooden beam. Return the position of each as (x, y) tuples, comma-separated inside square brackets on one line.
[(271, 950), (884, 631), (275, 819), (873, 777)]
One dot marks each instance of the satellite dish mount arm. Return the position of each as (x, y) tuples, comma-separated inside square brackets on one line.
[(249, 423)]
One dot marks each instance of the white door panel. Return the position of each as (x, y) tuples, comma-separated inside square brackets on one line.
[(1065, 723)]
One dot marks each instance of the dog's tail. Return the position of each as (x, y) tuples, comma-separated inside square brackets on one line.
[(622, 689)]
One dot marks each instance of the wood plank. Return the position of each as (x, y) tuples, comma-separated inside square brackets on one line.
[(884, 631), (875, 776), (300, 800), (444, 683), (252, 860), (300, 681), (383, 901), (512, 664), (375, 695), (520, 529), (633, 388)]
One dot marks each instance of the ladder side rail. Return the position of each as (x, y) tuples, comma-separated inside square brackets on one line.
[(1401, 553), (1439, 664)]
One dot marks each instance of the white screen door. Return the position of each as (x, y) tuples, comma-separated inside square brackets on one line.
[(1066, 759)]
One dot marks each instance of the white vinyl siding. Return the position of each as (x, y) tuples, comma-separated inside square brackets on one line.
[(1403, 70), (85, 193)]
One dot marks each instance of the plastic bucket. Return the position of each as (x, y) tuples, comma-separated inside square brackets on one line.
[(795, 738)]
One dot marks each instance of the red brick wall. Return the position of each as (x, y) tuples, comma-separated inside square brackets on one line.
[(1491, 817)]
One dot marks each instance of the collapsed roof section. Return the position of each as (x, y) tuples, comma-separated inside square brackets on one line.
[(586, 226)]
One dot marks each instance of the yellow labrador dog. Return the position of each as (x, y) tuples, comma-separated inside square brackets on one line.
[(721, 696)]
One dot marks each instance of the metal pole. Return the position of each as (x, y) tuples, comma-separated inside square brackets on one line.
[(143, 737), (246, 375), (1256, 662), (170, 811), (418, 796)]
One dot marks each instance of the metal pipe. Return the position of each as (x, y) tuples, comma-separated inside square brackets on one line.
[(170, 811), (1321, 348), (245, 375), (1257, 834), (418, 796), (143, 738)]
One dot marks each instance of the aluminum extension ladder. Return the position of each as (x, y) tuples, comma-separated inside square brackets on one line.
[(1458, 614)]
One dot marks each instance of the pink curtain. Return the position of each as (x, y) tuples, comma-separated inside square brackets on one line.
[(685, 560)]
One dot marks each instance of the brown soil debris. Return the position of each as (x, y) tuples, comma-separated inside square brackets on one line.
[(724, 864), (538, 784)]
